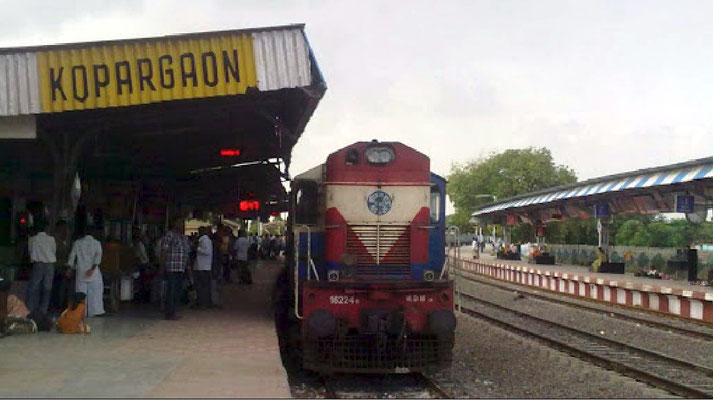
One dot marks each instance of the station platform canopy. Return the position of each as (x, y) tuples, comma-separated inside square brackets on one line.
[(198, 120), (647, 191)]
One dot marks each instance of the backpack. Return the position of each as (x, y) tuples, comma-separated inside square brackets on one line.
[(19, 326)]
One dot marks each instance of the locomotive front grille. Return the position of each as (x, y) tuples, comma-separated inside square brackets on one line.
[(380, 245), (371, 353)]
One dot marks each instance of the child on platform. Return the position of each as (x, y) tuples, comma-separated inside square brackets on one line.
[(73, 319)]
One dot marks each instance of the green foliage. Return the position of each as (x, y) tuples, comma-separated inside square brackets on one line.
[(506, 174), (460, 219), (659, 233), (573, 231), (632, 233), (522, 233), (642, 260), (615, 257), (658, 261)]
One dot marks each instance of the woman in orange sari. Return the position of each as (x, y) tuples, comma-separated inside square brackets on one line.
[(73, 319)]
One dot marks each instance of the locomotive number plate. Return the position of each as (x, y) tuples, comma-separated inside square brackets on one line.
[(419, 298), (337, 299)]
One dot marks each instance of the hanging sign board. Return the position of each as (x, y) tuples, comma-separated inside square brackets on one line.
[(512, 220), (684, 204), (602, 211)]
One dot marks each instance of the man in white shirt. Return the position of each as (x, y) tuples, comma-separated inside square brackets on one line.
[(202, 267), (85, 257), (242, 244), (43, 254)]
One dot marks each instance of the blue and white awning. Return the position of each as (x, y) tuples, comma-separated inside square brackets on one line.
[(635, 180)]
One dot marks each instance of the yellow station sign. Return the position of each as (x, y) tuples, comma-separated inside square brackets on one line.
[(142, 72)]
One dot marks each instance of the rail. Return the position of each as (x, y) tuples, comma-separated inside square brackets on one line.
[(669, 373)]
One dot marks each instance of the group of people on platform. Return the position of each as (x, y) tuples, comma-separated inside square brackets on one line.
[(478, 243), (199, 264), (73, 268), (181, 265)]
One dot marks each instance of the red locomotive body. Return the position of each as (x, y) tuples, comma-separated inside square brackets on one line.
[(368, 230)]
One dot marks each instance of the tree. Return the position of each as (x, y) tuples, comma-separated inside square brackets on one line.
[(506, 174), (627, 231), (460, 219)]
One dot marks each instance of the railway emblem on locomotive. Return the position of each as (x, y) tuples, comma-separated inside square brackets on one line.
[(379, 202)]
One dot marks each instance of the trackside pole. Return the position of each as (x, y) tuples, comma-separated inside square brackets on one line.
[(454, 264)]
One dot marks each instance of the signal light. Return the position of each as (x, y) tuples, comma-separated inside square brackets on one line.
[(249, 205), (230, 152), (23, 220)]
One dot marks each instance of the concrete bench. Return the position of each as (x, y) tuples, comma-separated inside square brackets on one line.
[(612, 268), (545, 259)]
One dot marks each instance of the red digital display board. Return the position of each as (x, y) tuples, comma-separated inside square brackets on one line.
[(249, 205), (230, 152)]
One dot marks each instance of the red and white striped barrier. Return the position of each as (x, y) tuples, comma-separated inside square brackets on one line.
[(690, 304)]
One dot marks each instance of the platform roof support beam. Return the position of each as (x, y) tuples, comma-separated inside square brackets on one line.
[(65, 149)]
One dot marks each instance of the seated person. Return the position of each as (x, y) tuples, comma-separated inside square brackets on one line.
[(16, 307), (535, 252), (73, 319), (601, 257), (652, 273)]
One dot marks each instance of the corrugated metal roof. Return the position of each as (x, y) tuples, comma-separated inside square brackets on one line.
[(19, 91), (119, 73), (281, 59), (660, 176), (179, 36)]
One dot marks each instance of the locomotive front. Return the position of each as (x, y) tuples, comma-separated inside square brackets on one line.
[(373, 298)]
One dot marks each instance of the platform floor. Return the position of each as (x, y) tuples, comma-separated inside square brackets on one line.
[(583, 271), (231, 352)]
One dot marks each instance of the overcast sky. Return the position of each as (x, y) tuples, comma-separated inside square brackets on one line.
[(608, 86)]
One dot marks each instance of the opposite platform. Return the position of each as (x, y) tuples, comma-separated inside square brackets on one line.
[(666, 296), (231, 352)]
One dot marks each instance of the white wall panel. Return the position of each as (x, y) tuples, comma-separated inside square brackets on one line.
[(281, 59), (19, 90)]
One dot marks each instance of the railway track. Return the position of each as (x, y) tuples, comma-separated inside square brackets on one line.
[(672, 374), (414, 385), (545, 296)]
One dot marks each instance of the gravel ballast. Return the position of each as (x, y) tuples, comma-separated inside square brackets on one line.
[(650, 338), (489, 362)]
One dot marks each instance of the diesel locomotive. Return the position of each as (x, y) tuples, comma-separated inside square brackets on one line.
[(367, 236)]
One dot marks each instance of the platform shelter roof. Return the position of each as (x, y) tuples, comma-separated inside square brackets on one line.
[(119, 73), (640, 191), (200, 119)]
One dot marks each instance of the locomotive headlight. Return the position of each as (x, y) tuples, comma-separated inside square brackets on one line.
[(428, 275), (380, 155), (333, 276)]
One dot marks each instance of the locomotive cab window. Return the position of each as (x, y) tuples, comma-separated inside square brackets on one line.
[(435, 204), (380, 155), (352, 157), (306, 203)]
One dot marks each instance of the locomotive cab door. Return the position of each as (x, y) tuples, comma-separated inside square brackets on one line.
[(437, 236)]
